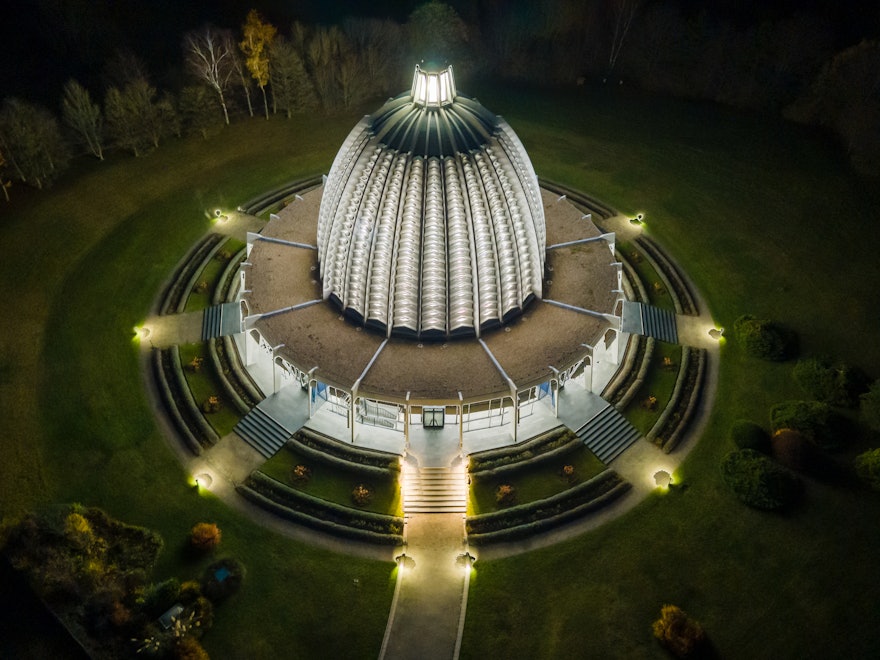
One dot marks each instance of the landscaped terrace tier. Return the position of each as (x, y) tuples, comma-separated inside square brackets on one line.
[(582, 277)]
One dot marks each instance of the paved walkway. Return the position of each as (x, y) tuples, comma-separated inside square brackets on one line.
[(429, 605), (431, 592)]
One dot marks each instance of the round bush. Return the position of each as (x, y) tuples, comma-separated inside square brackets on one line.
[(813, 419), (759, 481), (764, 339), (870, 406), (792, 449), (838, 385), (868, 468), (748, 435), (681, 635), (222, 578)]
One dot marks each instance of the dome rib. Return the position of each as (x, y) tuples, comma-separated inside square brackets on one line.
[(431, 223)]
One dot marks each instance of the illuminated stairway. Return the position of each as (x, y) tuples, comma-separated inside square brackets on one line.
[(435, 489)]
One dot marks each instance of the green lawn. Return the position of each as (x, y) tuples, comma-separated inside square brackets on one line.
[(764, 217), (203, 384), (335, 484), (85, 262), (535, 481), (659, 383)]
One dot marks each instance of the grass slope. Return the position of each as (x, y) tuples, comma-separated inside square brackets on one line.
[(85, 262), (763, 217)]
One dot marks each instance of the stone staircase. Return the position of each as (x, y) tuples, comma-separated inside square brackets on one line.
[(641, 319), (435, 489), (221, 320), (607, 434), (262, 432), (212, 322)]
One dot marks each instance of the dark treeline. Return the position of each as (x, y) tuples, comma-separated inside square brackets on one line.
[(120, 77)]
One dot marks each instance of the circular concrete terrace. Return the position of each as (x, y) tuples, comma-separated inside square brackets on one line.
[(282, 301)]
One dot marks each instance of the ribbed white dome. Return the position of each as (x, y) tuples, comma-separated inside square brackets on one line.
[(431, 223)]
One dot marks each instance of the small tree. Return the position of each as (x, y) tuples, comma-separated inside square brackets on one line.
[(870, 406), (32, 144), (835, 384), (745, 434), (868, 468), (764, 339), (759, 481), (204, 537), (505, 495), (792, 449), (680, 634), (258, 37), (815, 420), (84, 117)]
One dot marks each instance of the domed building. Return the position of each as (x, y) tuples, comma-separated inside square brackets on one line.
[(430, 282), (431, 223)]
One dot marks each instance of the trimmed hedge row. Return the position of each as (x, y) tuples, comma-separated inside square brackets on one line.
[(330, 448), (528, 519), (502, 457), (168, 399), (222, 377), (203, 430), (318, 455), (569, 447), (674, 419), (581, 200), (684, 299), (321, 514), (237, 377), (628, 380), (261, 202), (175, 295), (227, 277)]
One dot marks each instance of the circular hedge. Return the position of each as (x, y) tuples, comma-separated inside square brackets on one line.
[(759, 481)]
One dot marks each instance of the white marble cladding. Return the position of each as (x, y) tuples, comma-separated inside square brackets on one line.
[(435, 245)]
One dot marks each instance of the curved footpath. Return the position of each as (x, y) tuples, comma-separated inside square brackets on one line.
[(428, 609)]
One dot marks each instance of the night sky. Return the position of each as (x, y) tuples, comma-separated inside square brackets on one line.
[(48, 41)]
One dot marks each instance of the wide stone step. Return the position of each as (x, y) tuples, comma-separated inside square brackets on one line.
[(262, 432), (608, 434), (435, 490)]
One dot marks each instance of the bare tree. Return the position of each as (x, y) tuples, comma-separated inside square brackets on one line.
[(31, 141), (380, 45), (243, 76), (6, 185), (209, 55), (83, 116), (622, 14), (257, 41)]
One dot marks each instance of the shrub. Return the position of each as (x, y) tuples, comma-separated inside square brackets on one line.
[(746, 434), (300, 475), (222, 578), (159, 597), (792, 449), (814, 419), (568, 473), (758, 481), (681, 635), (361, 495), (211, 404), (837, 385), (204, 537), (189, 648), (870, 406), (868, 468), (505, 495), (764, 339)]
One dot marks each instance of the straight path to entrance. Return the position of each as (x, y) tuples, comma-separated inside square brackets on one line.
[(430, 597)]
